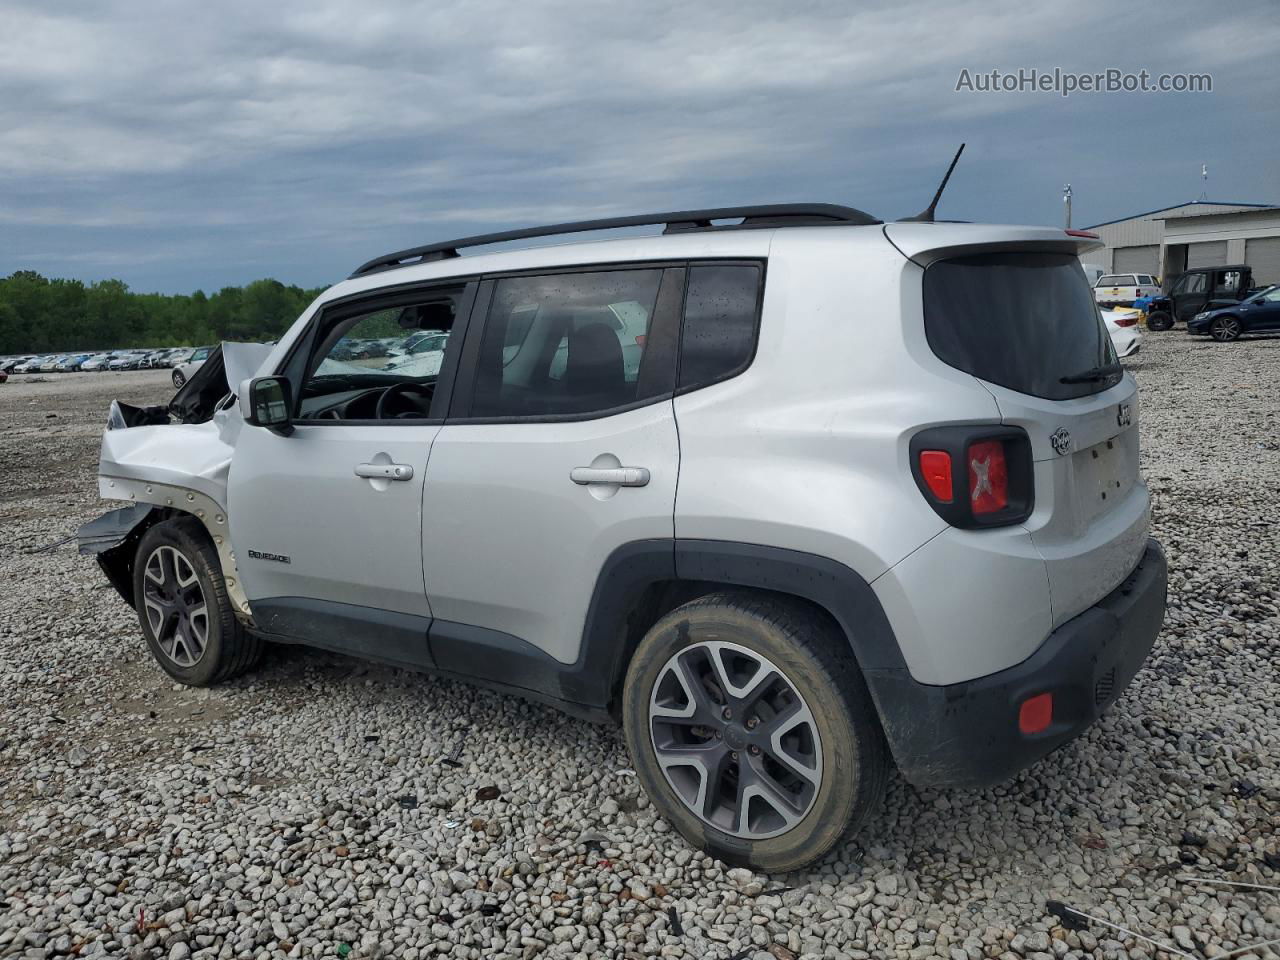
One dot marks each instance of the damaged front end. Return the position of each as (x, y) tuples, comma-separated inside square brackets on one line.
[(172, 459)]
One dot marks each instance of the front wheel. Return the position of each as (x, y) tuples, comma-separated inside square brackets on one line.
[(178, 379), (1225, 329), (1159, 321), (752, 730), (183, 607)]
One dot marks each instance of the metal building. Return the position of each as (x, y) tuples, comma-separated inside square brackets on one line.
[(1203, 233)]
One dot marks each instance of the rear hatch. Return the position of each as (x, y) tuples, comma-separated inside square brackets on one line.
[(1011, 306)]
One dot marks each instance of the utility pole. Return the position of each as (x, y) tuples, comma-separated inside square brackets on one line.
[(1204, 181), (1066, 199)]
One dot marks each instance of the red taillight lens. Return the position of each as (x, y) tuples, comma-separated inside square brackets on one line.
[(988, 477), (1126, 321), (1036, 713), (641, 338), (935, 467)]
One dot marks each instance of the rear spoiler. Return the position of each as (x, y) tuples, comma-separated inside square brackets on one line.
[(922, 243)]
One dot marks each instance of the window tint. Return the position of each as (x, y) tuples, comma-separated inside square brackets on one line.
[(1117, 280), (1024, 321), (719, 334), (1146, 280), (567, 344)]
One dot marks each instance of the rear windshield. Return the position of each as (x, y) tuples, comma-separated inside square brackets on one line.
[(1117, 280), (1025, 321)]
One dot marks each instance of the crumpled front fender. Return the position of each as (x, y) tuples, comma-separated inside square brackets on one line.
[(113, 539)]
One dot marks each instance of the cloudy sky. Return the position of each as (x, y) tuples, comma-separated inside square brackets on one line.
[(193, 145)]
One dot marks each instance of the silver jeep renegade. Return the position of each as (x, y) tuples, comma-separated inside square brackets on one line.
[(793, 494)]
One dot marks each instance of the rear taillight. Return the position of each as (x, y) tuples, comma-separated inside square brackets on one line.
[(988, 477), (975, 475), (1125, 321)]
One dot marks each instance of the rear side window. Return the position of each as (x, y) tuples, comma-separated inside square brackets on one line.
[(721, 318), (574, 344), (1026, 321)]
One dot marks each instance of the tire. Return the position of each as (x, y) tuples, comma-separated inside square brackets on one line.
[(1225, 329), (1159, 321), (179, 551), (833, 735), (178, 379)]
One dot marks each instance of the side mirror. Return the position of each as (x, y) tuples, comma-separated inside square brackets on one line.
[(267, 402)]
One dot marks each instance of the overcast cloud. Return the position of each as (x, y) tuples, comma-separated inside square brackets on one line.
[(180, 145)]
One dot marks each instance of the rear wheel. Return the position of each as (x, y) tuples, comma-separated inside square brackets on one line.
[(751, 728), (1159, 320), (183, 607), (1224, 329), (178, 379)]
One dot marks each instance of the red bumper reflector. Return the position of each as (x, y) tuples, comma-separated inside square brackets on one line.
[(1036, 713), (935, 467)]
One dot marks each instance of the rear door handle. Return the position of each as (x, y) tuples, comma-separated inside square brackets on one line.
[(620, 476), (384, 471)]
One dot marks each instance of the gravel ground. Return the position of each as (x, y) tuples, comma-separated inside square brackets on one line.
[(327, 807)]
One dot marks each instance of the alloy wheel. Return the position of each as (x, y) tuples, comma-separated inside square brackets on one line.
[(1225, 328), (735, 739), (175, 606)]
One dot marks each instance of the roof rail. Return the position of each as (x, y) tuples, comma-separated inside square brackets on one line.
[(767, 215)]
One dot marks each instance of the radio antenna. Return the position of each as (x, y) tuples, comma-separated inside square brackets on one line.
[(926, 215)]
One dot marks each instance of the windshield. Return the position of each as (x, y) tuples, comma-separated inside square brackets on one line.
[(1117, 280), (1026, 321)]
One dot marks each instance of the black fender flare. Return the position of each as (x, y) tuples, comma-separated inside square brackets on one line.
[(634, 568)]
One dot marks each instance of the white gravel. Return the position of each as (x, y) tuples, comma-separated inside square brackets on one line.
[(311, 810)]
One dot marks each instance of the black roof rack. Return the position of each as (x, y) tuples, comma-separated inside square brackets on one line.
[(767, 215)]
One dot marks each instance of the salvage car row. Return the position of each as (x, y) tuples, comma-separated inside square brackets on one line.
[(108, 360)]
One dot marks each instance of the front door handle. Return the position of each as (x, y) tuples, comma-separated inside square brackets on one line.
[(384, 471), (619, 476)]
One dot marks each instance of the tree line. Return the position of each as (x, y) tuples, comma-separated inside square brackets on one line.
[(41, 315)]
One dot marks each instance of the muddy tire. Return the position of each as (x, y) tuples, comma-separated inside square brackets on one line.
[(1159, 321), (183, 607), (751, 728)]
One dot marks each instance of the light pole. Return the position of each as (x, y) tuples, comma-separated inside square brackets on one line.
[(1066, 199)]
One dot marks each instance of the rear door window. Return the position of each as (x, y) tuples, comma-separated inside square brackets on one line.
[(1026, 321), (574, 344)]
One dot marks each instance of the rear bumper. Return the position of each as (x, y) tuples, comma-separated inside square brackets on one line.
[(966, 734)]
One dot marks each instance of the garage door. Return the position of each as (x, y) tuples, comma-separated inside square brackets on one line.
[(1137, 260), (1263, 254), (1212, 254)]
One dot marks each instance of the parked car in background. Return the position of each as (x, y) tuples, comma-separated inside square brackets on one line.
[(71, 364), (1122, 325), (1200, 290), (4, 375), (98, 361), (125, 361), (50, 364), (9, 364), (1121, 289), (183, 371), (30, 365), (1255, 314)]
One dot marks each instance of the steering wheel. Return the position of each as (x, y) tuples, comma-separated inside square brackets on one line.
[(380, 411)]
